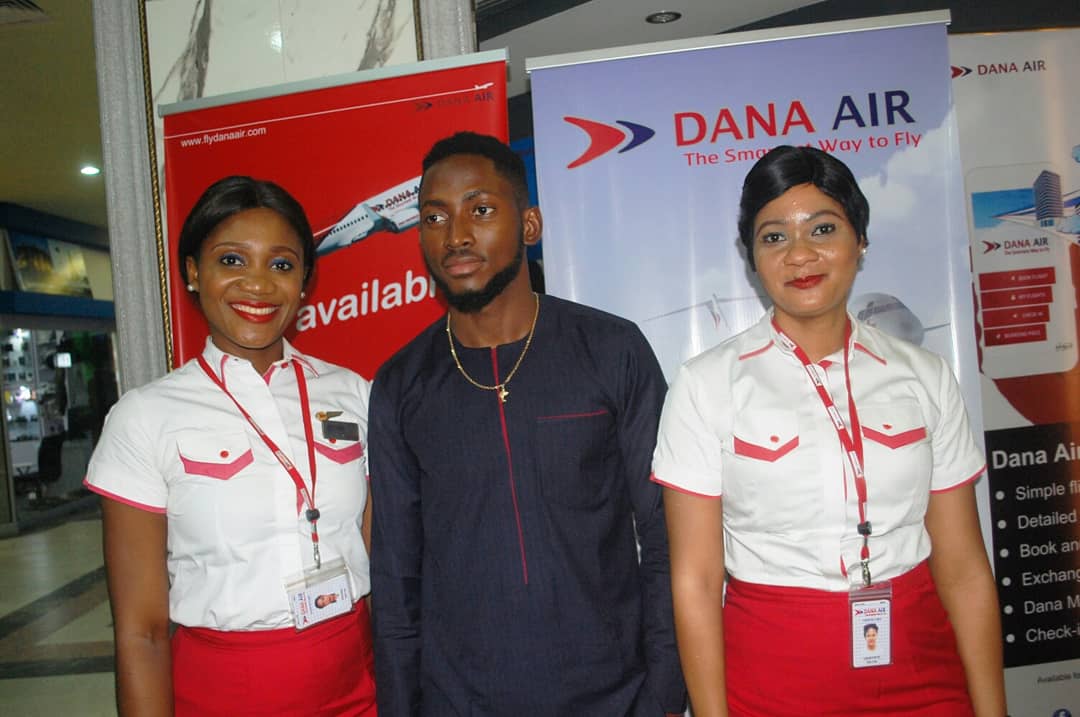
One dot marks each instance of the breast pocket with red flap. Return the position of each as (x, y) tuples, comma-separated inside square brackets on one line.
[(898, 454), (766, 471), (214, 455), (340, 438)]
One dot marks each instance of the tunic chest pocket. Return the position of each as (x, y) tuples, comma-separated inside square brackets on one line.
[(351, 451), (764, 473), (766, 436), (893, 425), (214, 455), (899, 458), (572, 451)]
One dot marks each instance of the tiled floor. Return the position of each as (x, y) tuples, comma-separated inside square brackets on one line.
[(56, 649)]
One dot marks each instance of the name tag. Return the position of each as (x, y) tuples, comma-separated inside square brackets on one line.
[(320, 594), (871, 626), (340, 430)]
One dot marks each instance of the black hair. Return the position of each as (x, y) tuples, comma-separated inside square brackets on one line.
[(508, 164), (868, 627), (230, 196), (785, 167)]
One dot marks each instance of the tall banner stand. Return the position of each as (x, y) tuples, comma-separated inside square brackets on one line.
[(1019, 117)]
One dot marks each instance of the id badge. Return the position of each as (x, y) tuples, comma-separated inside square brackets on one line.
[(871, 625), (319, 595)]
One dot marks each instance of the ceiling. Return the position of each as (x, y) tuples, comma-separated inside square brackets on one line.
[(599, 24), (50, 126)]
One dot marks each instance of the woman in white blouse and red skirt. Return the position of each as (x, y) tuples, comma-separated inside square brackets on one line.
[(826, 470), (235, 492)]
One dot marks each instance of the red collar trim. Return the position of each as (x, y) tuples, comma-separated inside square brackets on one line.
[(880, 359), (284, 363), (757, 352)]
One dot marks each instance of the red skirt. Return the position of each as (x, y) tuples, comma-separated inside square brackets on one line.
[(787, 652), (326, 670)]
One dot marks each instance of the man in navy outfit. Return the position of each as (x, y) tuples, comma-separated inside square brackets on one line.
[(511, 444)]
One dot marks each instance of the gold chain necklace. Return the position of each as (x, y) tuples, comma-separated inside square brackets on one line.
[(499, 387)]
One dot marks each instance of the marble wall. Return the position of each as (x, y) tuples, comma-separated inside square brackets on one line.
[(202, 48)]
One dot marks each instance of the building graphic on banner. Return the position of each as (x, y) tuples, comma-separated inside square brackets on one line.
[(1048, 205)]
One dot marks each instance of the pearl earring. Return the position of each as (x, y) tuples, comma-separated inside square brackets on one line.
[(303, 294), (191, 287), (864, 251)]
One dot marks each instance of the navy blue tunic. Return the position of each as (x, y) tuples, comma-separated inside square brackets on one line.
[(505, 571)]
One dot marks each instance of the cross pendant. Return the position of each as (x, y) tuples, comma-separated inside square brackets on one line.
[(503, 393)]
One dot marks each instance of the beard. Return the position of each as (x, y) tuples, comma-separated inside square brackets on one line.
[(473, 300)]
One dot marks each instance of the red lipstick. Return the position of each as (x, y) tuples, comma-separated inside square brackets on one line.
[(254, 311), (807, 282)]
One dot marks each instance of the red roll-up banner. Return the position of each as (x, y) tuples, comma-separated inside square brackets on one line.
[(349, 149)]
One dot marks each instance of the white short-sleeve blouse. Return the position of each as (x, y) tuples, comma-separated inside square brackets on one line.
[(236, 530), (743, 420)]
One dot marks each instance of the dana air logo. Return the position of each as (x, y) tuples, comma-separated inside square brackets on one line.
[(1033, 245), (998, 68), (605, 137), (478, 93), (870, 611)]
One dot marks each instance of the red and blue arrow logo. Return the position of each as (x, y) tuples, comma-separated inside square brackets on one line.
[(605, 137)]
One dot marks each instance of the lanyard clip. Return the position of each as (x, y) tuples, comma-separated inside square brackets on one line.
[(312, 515), (865, 529)]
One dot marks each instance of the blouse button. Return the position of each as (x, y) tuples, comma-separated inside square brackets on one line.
[(224, 454), (886, 426), (774, 439)]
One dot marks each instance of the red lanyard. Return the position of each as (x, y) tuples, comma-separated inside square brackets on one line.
[(851, 441), (306, 496)]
